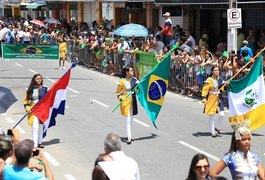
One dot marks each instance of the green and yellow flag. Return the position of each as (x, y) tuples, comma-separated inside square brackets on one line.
[(247, 99), (153, 87)]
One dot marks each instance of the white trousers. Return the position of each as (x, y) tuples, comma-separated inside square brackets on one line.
[(129, 122), (36, 132), (218, 124)]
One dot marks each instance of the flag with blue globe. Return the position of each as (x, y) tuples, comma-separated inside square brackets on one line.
[(152, 88)]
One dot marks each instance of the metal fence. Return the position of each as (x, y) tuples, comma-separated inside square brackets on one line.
[(184, 79)]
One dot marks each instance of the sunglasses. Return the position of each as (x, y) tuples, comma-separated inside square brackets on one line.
[(206, 167)]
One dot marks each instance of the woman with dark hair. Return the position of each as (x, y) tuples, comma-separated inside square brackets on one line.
[(34, 93), (199, 168), (242, 163), (63, 52), (213, 100), (129, 105)]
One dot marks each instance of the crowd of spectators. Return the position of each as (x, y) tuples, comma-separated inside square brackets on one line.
[(191, 62)]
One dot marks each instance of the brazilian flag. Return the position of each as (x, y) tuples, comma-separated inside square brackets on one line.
[(153, 87)]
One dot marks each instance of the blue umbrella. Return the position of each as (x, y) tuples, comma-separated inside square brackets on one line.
[(135, 30), (7, 98)]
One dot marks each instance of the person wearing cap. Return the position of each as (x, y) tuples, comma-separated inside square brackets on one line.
[(203, 40), (124, 50), (166, 31), (123, 45), (20, 169), (245, 47)]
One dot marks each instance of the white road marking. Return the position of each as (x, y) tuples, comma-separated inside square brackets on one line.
[(33, 71), (75, 91), (10, 120), (51, 159), (69, 177), (100, 103), (21, 130), (20, 65), (49, 79), (140, 122), (2, 114), (199, 150)]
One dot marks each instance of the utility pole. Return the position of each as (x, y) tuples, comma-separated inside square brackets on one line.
[(232, 33), (3, 8)]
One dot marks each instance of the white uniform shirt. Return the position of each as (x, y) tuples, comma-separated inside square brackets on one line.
[(127, 162)]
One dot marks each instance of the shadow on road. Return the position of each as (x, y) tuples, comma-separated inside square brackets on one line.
[(152, 136), (51, 142), (199, 134)]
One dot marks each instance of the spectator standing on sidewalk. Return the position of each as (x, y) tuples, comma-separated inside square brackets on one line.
[(245, 47), (166, 31), (63, 52)]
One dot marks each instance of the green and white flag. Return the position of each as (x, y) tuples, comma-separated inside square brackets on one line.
[(247, 97)]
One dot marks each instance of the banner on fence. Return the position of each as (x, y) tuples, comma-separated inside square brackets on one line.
[(30, 51), (146, 62)]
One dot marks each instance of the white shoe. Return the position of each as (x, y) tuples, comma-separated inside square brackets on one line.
[(60, 68), (63, 67)]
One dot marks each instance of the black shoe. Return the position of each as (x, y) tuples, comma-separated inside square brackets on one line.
[(129, 142), (40, 145), (213, 135), (127, 139), (218, 131)]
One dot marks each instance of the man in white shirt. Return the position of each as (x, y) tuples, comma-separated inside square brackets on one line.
[(123, 48), (191, 39), (112, 146), (123, 45)]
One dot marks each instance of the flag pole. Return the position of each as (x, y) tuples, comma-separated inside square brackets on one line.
[(20, 121), (257, 55), (174, 47), (225, 84), (125, 98)]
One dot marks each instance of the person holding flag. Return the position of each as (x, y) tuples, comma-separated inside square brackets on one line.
[(213, 100), (151, 90), (128, 106), (34, 93)]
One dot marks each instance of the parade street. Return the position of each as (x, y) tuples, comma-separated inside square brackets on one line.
[(72, 146)]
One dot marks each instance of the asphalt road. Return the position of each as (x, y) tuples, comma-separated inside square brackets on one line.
[(74, 143)]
